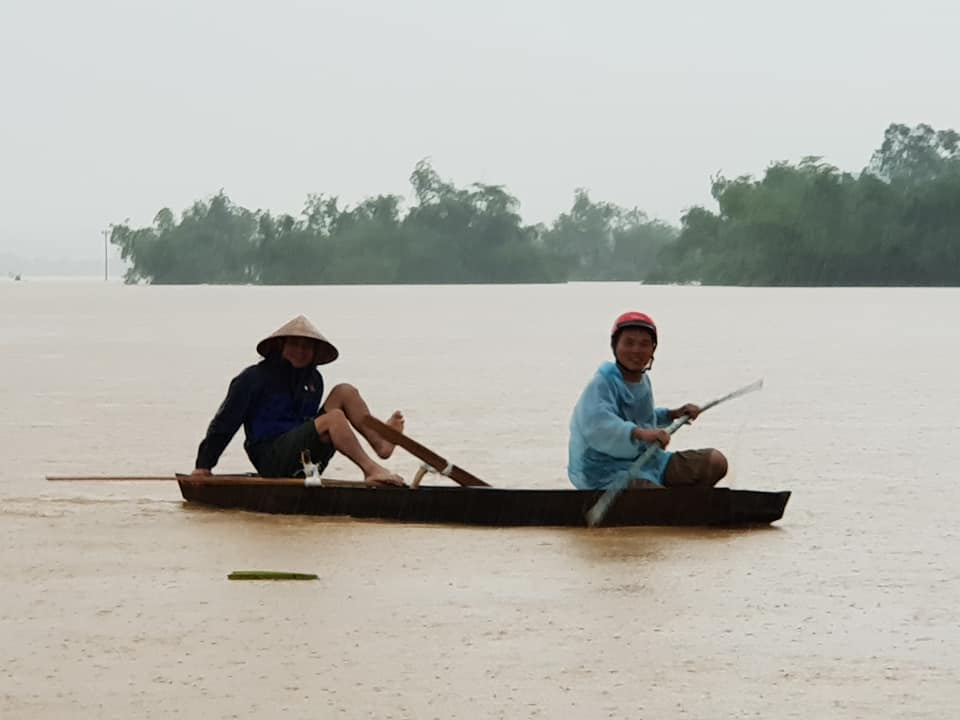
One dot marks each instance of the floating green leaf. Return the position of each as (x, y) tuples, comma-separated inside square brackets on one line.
[(269, 575)]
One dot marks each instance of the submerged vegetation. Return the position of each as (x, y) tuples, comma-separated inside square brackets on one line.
[(897, 222)]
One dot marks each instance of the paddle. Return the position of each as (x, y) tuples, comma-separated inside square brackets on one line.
[(207, 480), (598, 512), (455, 473)]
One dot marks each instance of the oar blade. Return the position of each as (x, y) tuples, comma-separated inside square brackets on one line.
[(598, 512)]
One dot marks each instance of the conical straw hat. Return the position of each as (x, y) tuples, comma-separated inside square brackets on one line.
[(300, 326)]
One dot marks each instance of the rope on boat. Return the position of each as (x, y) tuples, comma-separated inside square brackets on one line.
[(311, 471), (424, 469)]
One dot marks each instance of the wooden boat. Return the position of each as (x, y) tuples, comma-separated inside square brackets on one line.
[(473, 501), (498, 507)]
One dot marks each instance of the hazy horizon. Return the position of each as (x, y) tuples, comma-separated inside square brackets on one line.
[(114, 110)]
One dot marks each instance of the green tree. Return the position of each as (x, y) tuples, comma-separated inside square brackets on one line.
[(916, 155)]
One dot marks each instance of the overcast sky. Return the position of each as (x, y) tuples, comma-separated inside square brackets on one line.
[(112, 110)]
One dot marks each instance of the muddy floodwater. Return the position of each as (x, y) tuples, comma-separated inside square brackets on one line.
[(115, 601)]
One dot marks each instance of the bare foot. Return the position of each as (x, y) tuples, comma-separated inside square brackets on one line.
[(383, 447), (379, 475)]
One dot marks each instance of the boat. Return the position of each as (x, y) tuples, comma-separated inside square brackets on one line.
[(472, 501), (488, 506)]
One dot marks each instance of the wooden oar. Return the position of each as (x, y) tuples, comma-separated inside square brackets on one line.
[(598, 512), (207, 480), (438, 463), (109, 478)]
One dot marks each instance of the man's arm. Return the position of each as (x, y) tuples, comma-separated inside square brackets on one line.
[(603, 428), (228, 419)]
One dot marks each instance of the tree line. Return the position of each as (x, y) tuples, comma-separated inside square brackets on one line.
[(896, 222)]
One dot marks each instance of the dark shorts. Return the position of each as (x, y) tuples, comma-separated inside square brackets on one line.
[(690, 467), (280, 457)]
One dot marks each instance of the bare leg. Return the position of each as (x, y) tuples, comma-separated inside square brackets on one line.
[(346, 398), (333, 425)]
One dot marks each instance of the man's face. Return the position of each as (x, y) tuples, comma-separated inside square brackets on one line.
[(299, 351), (635, 349)]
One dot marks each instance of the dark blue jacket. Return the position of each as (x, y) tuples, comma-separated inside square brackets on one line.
[(268, 399)]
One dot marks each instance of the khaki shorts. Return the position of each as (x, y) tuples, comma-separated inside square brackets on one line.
[(690, 467)]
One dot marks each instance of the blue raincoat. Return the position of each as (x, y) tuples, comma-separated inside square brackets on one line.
[(602, 450)]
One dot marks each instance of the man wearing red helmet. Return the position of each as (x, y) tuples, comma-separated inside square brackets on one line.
[(615, 421)]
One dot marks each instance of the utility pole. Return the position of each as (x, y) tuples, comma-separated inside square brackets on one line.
[(106, 236)]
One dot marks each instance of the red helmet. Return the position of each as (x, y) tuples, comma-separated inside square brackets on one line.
[(634, 319)]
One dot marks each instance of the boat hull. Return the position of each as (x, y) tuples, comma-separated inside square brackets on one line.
[(497, 507)]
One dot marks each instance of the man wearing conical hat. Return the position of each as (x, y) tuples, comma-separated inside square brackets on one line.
[(279, 402)]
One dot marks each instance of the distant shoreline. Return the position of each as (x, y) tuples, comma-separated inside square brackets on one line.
[(118, 281)]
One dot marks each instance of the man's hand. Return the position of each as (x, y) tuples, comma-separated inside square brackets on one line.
[(690, 410), (201, 472), (653, 435)]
